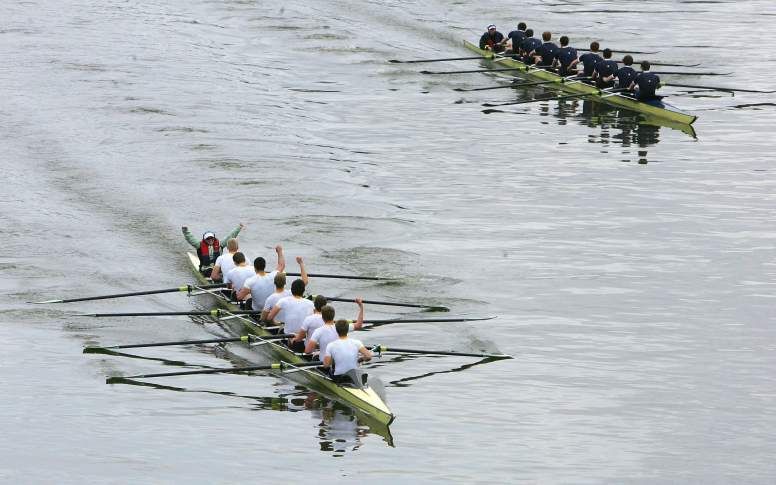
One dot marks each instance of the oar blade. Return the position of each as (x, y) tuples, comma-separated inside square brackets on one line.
[(45, 302)]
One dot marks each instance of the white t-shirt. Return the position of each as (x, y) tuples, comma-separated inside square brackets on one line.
[(237, 276), (310, 325), (325, 335), (261, 287), (226, 263), (272, 299), (292, 312), (344, 353)]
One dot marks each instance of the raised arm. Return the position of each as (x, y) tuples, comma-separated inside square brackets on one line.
[(233, 234), (189, 237), (302, 270), (359, 323), (281, 267)]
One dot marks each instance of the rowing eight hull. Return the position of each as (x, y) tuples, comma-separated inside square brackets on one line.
[(577, 87), (365, 400)]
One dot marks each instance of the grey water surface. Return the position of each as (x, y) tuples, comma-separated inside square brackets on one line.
[(632, 267)]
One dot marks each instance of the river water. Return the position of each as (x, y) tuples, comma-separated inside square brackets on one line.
[(632, 268)]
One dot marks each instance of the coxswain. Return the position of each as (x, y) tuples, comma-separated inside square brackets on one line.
[(224, 263), (209, 248), (492, 40), (312, 322), (291, 311), (589, 60), (605, 71), (280, 289), (344, 353), (516, 37), (626, 74), (235, 278), (327, 333), (646, 83), (544, 55), (528, 46), (566, 60), (259, 286)]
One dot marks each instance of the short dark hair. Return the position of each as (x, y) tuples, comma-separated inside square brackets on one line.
[(319, 302), (297, 287), (238, 258), (342, 327), (521, 26), (529, 33), (645, 65), (564, 41), (280, 280), (327, 313), (607, 53), (259, 264), (627, 60), (546, 36), (594, 46)]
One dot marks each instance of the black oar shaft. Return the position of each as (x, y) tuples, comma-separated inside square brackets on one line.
[(274, 366), (426, 320), (716, 88), (383, 348), (623, 52), (178, 342), (395, 61), (383, 303), (186, 288), (475, 70), (343, 277)]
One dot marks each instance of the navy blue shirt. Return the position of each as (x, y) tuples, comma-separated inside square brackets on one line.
[(530, 44), (647, 83), (547, 51), (566, 55), (625, 75), (606, 68), (491, 40), (589, 60), (517, 37)]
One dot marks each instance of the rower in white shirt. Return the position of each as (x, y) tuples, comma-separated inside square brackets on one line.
[(259, 286), (312, 322), (327, 333), (292, 310), (225, 263), (344, 353), (280, 290), (235, 278)]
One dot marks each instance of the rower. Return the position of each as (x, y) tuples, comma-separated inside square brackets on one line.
[(626, 74), (566, 58), (224, 263), (259, 286), (209, 248), (235, 278), (590, 60), (544, 55), (312, 322), (646, 83), (605, 71), (292, 310), (492, 40), (343, 354), (528, 46), (327, 333), (280, 292), (516, 37)]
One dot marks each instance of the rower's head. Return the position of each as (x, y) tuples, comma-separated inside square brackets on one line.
[(209, 237), (564, 41), (521, 26), (628, 60), (342, 327), (529, 33), (297, 287), (491, 29), (280, 281), (327, 313), (645, 65), (259, 264), (607, 53), (546, 36), (232, 245), (594, 46), (238, 258), (319, 302)]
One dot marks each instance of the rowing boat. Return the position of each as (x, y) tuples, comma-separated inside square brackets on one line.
[(364, 400), (658, 113)]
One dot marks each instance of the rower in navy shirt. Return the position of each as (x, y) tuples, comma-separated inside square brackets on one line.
[(566, 58), (492, 40), (626, 74), (517, 36), (589, 60), (605, 71), (646, 84), (528, 46), (544, 55)]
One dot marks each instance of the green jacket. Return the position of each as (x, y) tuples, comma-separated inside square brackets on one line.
[(222, 242)]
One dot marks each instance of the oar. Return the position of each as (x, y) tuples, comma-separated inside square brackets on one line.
[(475, 70), (382, 348), (668, 64), (395, 61), (717, 88), (423, 320), (344, 277), (680, 73), (187, 288), (512, 86), (244, 338), (623, 52), (388, 303), (536, 100), (275, 366)]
